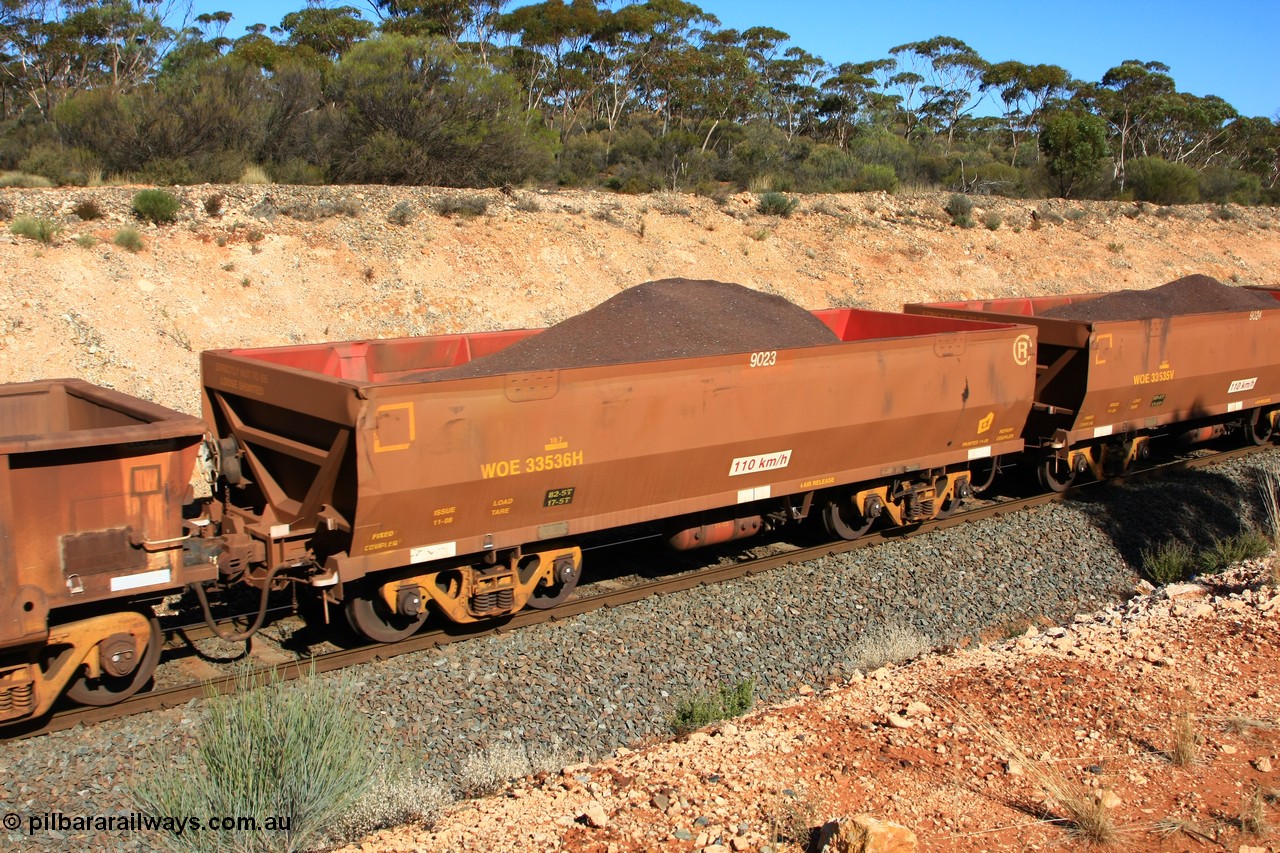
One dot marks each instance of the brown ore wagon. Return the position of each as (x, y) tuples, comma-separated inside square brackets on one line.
[(92, 487), (1108, 381), (475, 493)]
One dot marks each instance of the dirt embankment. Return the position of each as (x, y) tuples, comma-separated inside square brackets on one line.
[(279, 265)]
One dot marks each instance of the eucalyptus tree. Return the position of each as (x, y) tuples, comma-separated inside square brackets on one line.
[(51, 49), (1026, 91), (939, 82), (1128, 96)]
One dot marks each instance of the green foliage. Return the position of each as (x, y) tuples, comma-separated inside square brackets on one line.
[(86, 241), (467, 206), (402, 213), (416, 111), (23, 180), (776, 204), (1156, 180), (703, 709), (633, 96), (876, 177), (43, 230), (88, 209), (999, 179), (61, 165), (1225, 552), (128, 238), (959, 207), (1222, 185), (1074, 145), (299, 751), (156, 206), (1169, 562), (993, 222)]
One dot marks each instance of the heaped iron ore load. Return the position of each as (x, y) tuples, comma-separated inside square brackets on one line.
[(92, 488), (1115, 369), (474, 491), (668, 319)]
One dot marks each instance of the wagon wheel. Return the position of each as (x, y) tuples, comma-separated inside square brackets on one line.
[(369, 616), (133, 669), (842, 520), (565, 580), (982, 475), (1056, 475), (1258, 431)]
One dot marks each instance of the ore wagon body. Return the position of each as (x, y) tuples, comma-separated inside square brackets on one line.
[(1103, 387), (476, 492), (92, 487)]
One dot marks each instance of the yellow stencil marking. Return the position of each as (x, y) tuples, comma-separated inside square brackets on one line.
[(395, 425)]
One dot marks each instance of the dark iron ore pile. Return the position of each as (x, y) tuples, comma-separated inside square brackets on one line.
[(1192, 294), (584, 686), (671, 318)]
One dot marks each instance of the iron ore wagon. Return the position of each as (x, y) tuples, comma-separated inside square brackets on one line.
[(389, 475)]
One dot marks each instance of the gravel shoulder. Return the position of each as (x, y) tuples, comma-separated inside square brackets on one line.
[(955, 747)]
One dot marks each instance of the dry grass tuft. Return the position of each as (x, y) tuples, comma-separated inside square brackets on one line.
[(1088, 816), (1185, 748), (1167, 827), (1253, 814), (792, 817), (1240, 725)]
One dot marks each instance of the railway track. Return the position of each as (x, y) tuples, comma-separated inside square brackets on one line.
[(170, 697)]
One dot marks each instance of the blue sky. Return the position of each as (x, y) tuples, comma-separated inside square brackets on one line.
[(1228, 49)]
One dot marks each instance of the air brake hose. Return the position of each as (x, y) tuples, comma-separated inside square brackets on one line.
[(257, 623)]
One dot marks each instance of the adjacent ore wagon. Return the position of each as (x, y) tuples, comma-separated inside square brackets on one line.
[(394, 473), (92, 487), (1194, 358)]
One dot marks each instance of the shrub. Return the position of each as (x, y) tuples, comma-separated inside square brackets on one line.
[(958, 207), (88, 209), (6, 210), (297, 751), (527, 204), (993, 222), (398, 796), (464, 205), (1156, 180), (402, 213), (875, 177), (1224, 553), (254, 175), (492, 767), (776, 204), (22, 180), (1168, 562), (703, 709), (86, 241), (213, 204), (156, 206), (43, 230), (128, 238)]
